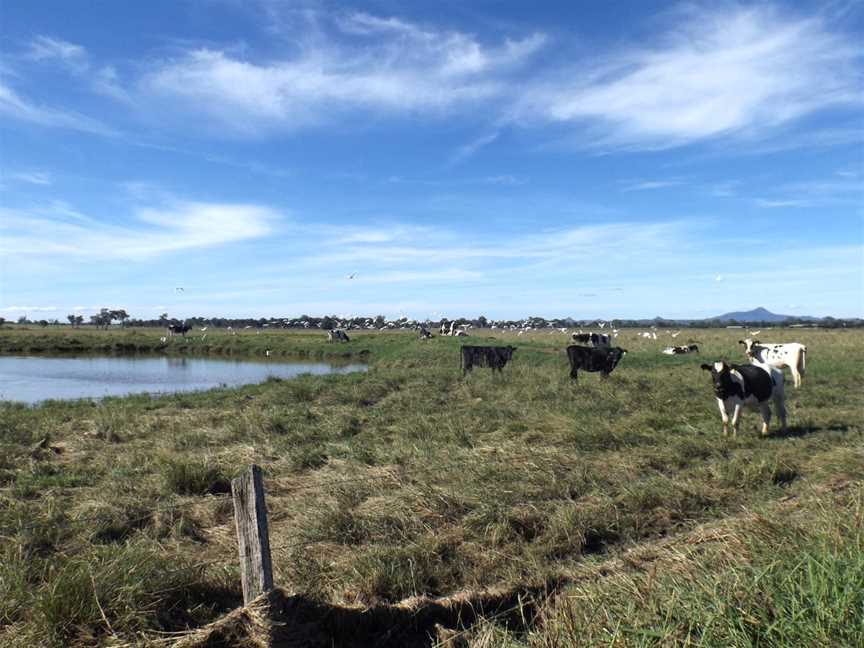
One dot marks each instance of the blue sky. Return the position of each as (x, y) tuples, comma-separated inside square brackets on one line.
[(504, 159)]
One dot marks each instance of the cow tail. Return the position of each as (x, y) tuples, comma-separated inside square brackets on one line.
[(802, 360)]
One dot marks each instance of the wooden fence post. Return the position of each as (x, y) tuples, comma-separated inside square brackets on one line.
[(253, 539)]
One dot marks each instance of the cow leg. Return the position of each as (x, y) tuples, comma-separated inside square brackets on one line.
[(796, 377), (765, 410), (574, 374), (780, 405), (736, 414), (723, 415)]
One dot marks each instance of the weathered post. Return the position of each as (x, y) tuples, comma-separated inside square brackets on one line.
[(253, 539)]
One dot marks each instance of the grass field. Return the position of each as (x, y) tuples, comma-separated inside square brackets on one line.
[(601, 513)]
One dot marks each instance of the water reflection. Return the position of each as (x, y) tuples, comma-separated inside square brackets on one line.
[(34, 378)]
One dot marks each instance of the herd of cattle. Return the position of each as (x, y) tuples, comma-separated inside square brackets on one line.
[(735, 386)]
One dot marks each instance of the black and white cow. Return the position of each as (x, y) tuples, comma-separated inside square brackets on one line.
[(337, 335), (424, 334), (182, 329), (485, 356), (593, 359), (790, 354), (754, 385), (599, 340), (679, 350)]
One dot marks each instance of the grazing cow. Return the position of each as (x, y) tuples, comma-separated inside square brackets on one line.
[(461, 334), (752, 385), (790, 354), (679, 350), (485, 356), (598, 340), (425, 334), (337, 335), (182, 329), (593, 359)]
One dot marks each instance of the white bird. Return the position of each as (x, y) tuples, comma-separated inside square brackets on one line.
[(204, 329), (601, 324), (163, 339), (267, 353), (718, 278), (676, 334), (756, 332)]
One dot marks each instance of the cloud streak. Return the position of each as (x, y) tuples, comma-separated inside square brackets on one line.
[(387, 65), (724, 72), (180, 227)]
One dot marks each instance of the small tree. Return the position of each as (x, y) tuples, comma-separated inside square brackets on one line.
[(120, 315)]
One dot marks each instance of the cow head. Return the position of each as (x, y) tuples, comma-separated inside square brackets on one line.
[(748, 346), (721, 376), (613, 357), (510, 350)]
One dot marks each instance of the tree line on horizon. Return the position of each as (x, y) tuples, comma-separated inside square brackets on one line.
[(107, 317)]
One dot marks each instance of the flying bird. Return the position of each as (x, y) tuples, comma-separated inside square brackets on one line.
[(352, 275), (178, 290), (718, 278)]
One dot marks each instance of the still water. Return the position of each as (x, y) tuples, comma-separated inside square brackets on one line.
[(31, 379)]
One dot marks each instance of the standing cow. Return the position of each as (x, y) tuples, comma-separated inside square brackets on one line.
[(485, 356), (790, 354), (593, 359), (337, 335), (754, 385), (182, 329)]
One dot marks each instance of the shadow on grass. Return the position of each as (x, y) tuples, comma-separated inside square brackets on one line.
[(794, 431), (422, 623)]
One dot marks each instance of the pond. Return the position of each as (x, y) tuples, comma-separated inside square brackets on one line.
[(31, 379)]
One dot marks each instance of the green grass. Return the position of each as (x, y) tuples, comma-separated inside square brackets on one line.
[(409, 479)]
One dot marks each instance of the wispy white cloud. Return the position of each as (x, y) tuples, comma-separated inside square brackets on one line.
[(15, 106), (774, 204), (29, 309), (30, 177), (647, 185), (102, 79), (45, 48), (389, 65), (843, 190), (467, 150), (48, 232), (741, 71)]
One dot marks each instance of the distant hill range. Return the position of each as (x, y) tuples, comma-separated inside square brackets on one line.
[(759, 315)]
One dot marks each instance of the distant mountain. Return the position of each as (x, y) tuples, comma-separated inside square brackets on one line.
[(758, 315)]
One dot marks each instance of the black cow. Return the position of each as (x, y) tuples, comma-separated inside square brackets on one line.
[(593, 359), (594, 339), (182, 329), (485, 356)]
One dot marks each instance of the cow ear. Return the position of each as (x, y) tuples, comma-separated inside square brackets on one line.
[(756, 342), (706, 367), (742, 342)]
